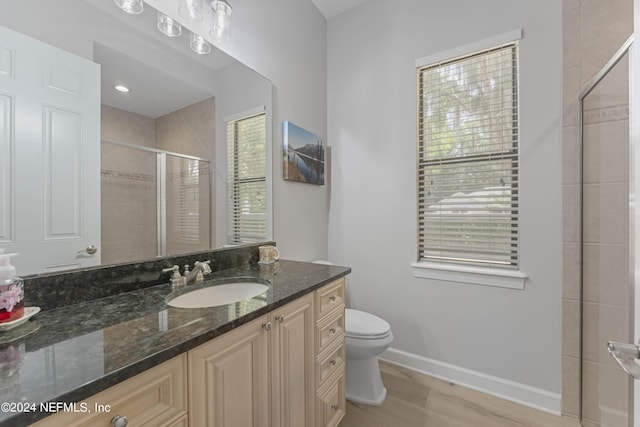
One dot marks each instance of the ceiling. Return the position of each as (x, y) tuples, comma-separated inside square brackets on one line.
[(333, 8)]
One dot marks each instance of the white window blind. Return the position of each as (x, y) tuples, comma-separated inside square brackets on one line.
[(468, 159), (188, 184), (247, 184)]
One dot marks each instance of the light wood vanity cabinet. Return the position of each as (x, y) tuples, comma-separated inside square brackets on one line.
[(330, 354), (154, 398), (296, 352), (284, 369), (261, 374)]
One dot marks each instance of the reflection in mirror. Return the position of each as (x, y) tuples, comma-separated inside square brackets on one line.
[(170, 174)]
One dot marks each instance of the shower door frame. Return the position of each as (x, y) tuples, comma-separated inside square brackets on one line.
[(161, 190), (634, 184)]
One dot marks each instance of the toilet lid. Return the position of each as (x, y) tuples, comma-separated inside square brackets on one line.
[(360, 324)]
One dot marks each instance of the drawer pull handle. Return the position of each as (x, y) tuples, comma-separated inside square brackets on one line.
[(335, 407), (119, 421), (333, 362), (267, 326), (332, 298), (332, 330), (280, 318)]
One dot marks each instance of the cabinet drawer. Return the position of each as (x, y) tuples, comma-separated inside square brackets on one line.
[(330, 329), (329, 297), (332, 362), (157, 397), (331, 403)]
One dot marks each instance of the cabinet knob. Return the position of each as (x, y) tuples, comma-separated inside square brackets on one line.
[(335, 407), (267, 326), (332, 298), (332, 330), (280, 318), (119, 421), (333, 362)]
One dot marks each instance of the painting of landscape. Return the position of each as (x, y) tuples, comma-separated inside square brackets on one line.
[(303, 155)]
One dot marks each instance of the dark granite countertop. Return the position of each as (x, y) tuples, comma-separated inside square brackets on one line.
[(76, 351)]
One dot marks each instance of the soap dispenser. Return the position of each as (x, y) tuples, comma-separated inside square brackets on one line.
[(11, 290)]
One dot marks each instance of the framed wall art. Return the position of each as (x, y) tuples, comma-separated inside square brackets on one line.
[(304, 155)]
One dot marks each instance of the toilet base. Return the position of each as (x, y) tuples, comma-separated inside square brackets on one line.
[(364, 384)]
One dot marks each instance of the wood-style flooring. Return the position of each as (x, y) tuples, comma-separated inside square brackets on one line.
[(417, 400)]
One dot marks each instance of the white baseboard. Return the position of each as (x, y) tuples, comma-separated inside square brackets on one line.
[(523, 394)]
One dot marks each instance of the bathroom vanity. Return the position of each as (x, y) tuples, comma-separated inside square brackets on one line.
[(274, 360)]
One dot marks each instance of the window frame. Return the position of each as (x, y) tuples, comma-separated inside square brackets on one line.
[(460, 272)]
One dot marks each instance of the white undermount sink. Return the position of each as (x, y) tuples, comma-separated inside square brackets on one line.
[(213, 296)]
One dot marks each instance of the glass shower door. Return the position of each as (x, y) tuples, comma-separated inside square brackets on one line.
[(188, 221), (607, 310)]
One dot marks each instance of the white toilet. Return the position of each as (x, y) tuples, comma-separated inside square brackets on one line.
[(366, 337)]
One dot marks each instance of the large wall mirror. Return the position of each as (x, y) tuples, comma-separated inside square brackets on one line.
[(92, 175)]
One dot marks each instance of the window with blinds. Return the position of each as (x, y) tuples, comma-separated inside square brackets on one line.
[(468, 159), (247, 183)]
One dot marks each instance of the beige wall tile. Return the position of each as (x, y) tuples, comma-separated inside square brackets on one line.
[(571, 85), (571, 267), (571, 328), (571, 213), (606, 25), (606, 274), (605, 213), (606, 150), (571, 36), (612, 90), (571, 386), (605, 389), (571, 155), (190, 130), (123, 126), (602, 323), (571, 112)]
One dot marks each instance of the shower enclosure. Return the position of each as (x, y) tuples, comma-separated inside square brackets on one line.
[(153, 203), (607, 309)]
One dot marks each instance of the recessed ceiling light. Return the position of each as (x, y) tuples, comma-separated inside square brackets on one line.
[(121, 88)]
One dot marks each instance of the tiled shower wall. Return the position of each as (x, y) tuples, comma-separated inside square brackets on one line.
[(128, 188), (129, 212), (593, 30)]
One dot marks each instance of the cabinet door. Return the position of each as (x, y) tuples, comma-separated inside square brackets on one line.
[(293, 364), (154, 398), (230, 379)]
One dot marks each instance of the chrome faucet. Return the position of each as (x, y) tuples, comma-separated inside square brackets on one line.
[(197, 274)]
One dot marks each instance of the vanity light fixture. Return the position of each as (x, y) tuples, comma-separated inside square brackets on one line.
[(133, 7), (122, 88), (168, 26), (221, 20), (199, 45), (191, 10)]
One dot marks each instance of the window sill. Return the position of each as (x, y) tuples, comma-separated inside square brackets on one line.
[(470, 275)]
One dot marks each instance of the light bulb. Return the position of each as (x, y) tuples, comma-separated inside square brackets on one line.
[(199, 45), (133, 7), (191, 10), (168, 26)]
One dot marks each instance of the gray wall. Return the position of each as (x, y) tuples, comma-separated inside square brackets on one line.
[(461, 331)]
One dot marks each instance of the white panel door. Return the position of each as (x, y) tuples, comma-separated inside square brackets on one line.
[(49, 155)]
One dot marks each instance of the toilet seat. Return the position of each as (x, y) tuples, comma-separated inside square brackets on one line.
[(366, 326)]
